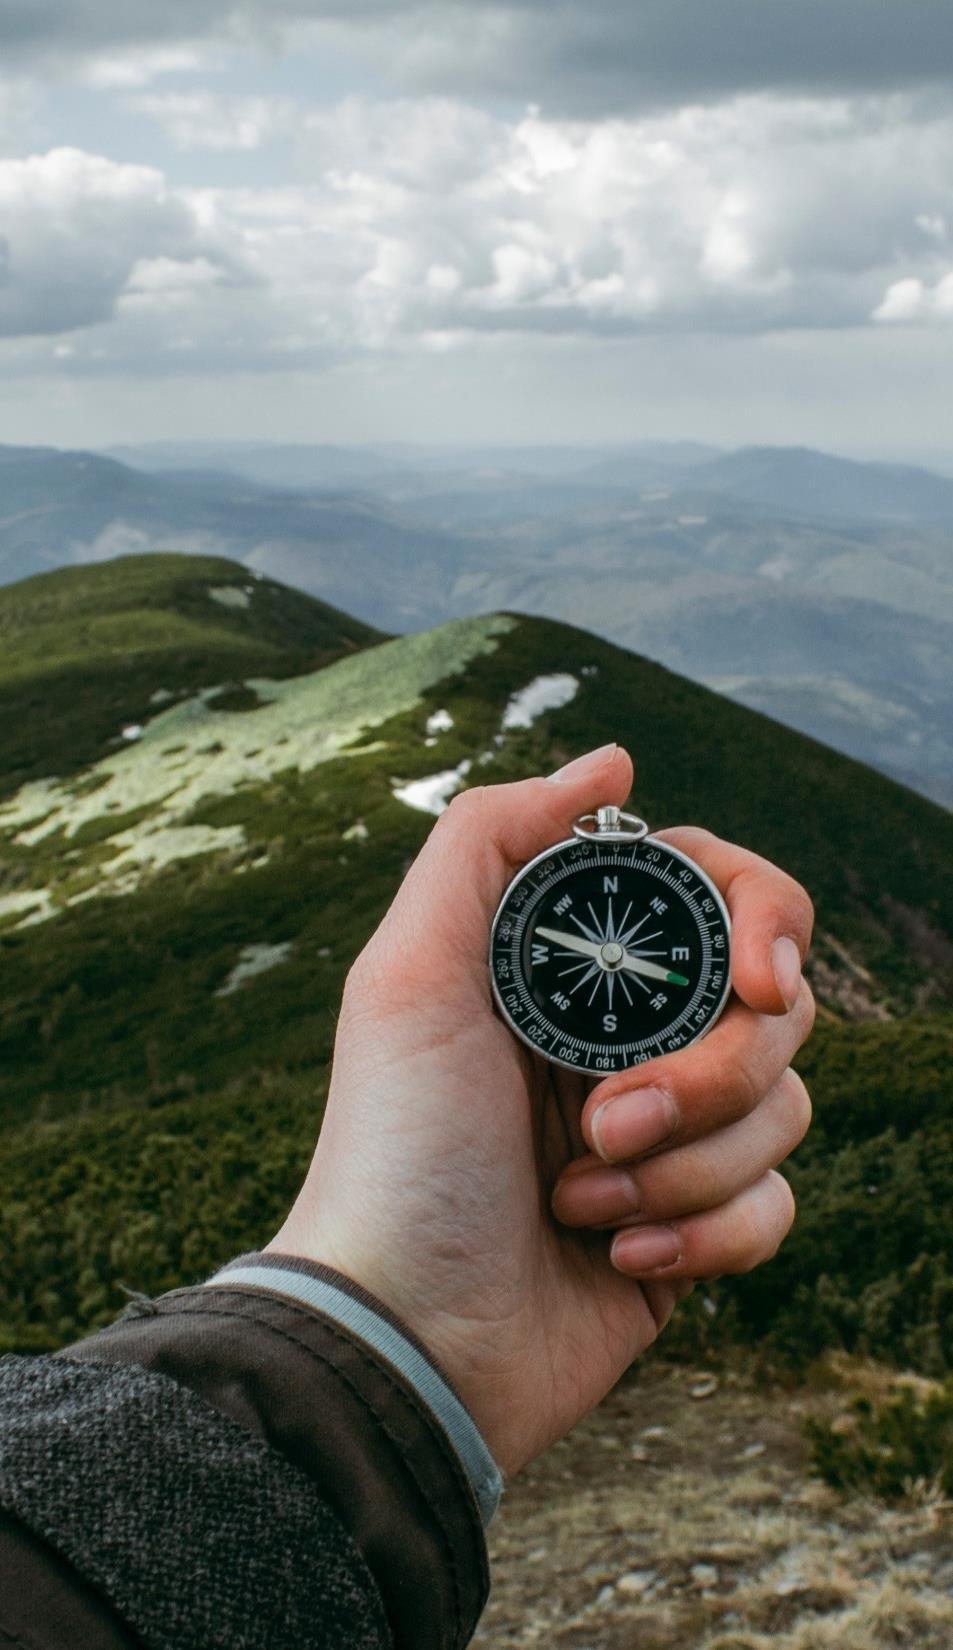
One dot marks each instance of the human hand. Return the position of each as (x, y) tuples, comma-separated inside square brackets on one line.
[(444, 1137)]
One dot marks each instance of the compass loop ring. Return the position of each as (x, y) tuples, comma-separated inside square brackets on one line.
[(610, 825)]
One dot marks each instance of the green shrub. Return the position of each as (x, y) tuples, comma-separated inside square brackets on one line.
[(887, 1450)]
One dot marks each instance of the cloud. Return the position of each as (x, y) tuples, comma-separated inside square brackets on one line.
[(618, 56), (432, 223), (205, 120), (75, 227), (915, 300), (17, 114)]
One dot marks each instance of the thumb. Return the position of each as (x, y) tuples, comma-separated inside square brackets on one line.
[(440, 918)]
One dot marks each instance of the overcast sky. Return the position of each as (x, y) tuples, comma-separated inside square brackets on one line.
[(286, 219)]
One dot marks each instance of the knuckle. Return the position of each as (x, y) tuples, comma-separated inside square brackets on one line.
[(801, 904), (805, 1011), (765, 1223), (705, 1088), (744, 1086), (358, 978), (783, 1210), (466, 805), (799, 1104)]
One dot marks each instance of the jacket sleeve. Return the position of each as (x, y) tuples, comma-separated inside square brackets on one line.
[(268, 1459)]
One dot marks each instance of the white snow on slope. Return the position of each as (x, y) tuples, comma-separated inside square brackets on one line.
[(191, 753), (33, 905), (254, 960), (229, 595), (432, 795), (545, 693), (440, 722)]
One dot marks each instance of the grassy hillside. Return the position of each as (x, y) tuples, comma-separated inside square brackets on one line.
[(84, 651), (176, 918)]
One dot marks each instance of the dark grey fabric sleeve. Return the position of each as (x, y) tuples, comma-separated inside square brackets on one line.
[(213, 1541)]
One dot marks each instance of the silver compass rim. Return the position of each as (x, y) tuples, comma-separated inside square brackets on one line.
[(574, 1065)]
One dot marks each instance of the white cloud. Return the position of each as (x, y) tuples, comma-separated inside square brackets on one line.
[(915, 300), (74, 227), (432, 223), (135, 67), (204, 120)]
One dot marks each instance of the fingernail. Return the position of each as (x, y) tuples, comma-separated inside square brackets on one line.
[(646, 1248), (583, 765), (633, 1123), (786, 962), (597, 1194)]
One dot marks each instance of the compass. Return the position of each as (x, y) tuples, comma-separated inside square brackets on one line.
[(610, 948)]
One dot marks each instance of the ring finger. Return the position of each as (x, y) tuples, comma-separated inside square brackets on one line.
[(736, 1237)]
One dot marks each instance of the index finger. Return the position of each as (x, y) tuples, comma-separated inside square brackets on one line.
[(772, 917)]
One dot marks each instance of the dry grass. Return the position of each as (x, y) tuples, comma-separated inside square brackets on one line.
[(666, 1523)]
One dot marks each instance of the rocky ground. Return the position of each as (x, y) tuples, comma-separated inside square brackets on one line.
[(683, 1516)]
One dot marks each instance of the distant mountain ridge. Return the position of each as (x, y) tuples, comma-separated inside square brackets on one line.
[(753, 571)]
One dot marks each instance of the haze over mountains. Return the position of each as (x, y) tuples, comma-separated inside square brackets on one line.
[(816, 588)]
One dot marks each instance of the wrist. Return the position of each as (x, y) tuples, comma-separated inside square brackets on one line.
[(327, 1289)]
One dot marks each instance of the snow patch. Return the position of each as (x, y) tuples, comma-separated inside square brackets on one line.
[(545, 693), (162, 696), (440, 722), (254, 960), (358, 832), (229, 595), (433, 795), (133, 731), (191, 752), (33, 905)]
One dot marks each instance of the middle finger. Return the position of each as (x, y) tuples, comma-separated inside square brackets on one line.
[(688, 1178)]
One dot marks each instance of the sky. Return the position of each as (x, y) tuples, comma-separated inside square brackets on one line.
[(528, 221)]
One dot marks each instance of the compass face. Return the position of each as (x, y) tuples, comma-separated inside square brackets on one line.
[(606, 954)]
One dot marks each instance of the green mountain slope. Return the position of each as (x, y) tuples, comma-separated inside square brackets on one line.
[(86, 651), (178, 913)]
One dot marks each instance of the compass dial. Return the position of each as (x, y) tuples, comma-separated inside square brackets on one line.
[(606, 954)]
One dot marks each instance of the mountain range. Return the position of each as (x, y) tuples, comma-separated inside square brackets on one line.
[(815, 588)]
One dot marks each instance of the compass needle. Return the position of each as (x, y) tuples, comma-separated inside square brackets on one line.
[(664, 985)]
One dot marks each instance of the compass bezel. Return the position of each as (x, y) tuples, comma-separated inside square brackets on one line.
[(642, 843)]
